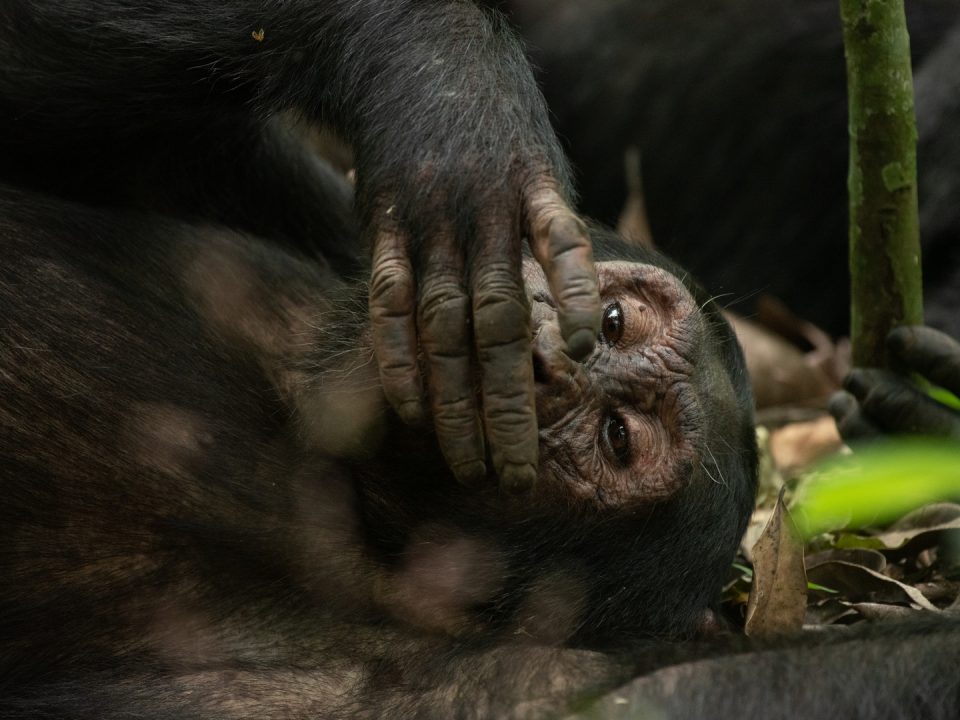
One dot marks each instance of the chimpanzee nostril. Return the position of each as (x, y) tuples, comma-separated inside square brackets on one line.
[(540, 373), (551, 364)]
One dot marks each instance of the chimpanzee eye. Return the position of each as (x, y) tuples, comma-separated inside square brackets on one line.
[(611, 327), (616, 437)]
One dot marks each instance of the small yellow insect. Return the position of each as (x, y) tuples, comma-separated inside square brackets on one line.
[(258, 35)]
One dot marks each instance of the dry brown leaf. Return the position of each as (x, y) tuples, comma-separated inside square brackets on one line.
[(758, 521), (827, 612), (884, 611), (779, 372), (832, 358), (778, 598), (942, 591), (800, 445), (872, 559), (921, 529), (929, 516), (857, 583)]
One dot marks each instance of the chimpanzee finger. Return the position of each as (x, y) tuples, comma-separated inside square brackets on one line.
[(501, 318), (392, 319), (444, 320), (929, 352), (561, 244), (850, 421), (896, 405)]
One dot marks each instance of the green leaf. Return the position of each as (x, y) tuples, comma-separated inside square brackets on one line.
[(880, 483), (944, 396)]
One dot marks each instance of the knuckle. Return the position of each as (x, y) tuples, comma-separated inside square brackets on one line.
[(397, 367), (888, 400), (507, 402), (504, 325), (455, 412), (542, 192), (391, 286), (500, 310), (568, 235), (579, 293), (497, 276), (512, 427), (458, 429), (444, 303)]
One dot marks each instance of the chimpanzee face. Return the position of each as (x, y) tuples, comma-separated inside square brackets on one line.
[(662, 398)]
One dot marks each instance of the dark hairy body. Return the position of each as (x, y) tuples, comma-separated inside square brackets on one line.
[(235, 525), (213, 506), (210, 510)]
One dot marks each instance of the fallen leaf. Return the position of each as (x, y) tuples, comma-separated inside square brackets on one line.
[(828, 612), (860, 584), (755, 528), (928, 516), (884, 611), (778, 598), (856, 556), (800, 445), (779, 371), (913, 541), (945, 591)]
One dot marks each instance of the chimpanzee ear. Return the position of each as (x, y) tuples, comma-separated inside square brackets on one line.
[(633, 225)]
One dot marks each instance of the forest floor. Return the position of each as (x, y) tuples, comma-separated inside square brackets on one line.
[(849, 574)]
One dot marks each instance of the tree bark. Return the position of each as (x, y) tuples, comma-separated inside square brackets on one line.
[(886, 287)]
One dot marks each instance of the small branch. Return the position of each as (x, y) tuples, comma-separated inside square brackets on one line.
[(884, 229)]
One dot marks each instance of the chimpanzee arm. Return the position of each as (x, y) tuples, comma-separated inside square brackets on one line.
[(456, 162), (878, 401)]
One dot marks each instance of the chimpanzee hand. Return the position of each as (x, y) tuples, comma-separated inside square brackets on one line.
[(447, 188), (468, 295), (882, 401)]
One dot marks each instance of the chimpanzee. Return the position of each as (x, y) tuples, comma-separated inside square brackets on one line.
[(209, 510), (738, 109)]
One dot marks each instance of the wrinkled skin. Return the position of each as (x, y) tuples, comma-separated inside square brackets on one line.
[(179, 108), (646, 392)]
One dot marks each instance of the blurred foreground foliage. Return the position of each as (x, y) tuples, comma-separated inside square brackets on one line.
[(878, 484)]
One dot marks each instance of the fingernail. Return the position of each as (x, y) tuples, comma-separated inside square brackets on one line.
[(470, 474), (411, 412), (517, 479), (580, 344)]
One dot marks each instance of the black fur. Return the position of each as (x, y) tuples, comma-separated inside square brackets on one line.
[(739, 111)]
